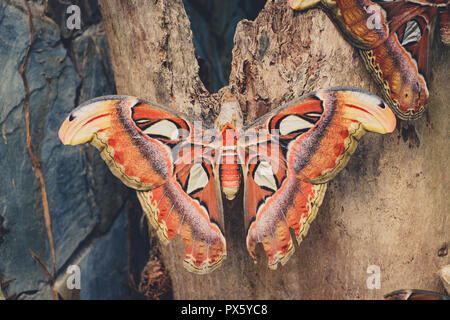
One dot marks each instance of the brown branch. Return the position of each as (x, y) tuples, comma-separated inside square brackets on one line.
[(3, 285), (42, 265), (35, 162)]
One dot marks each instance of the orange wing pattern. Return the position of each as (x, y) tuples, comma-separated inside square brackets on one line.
[(149, 148), (289, 155), (393, 41), (299, 147), (444, 27), (361, 21)]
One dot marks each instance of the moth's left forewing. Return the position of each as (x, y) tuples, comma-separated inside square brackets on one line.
[(311, 140), (165, 157)]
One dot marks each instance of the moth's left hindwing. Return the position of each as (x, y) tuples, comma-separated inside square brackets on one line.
[(290, 156), (155, 150)]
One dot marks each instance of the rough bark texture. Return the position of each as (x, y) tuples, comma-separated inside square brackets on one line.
[(388, 207)]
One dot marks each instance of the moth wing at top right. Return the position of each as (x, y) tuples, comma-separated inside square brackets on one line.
[(399, 62), (400, 65)]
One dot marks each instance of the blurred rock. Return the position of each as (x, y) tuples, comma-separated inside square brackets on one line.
[(57, 11), (83, 205), (103, 276)]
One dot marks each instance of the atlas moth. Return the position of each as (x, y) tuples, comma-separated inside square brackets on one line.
[(182, 171), (393, 38)]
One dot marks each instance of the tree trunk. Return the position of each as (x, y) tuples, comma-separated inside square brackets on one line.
[(387, 208)]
